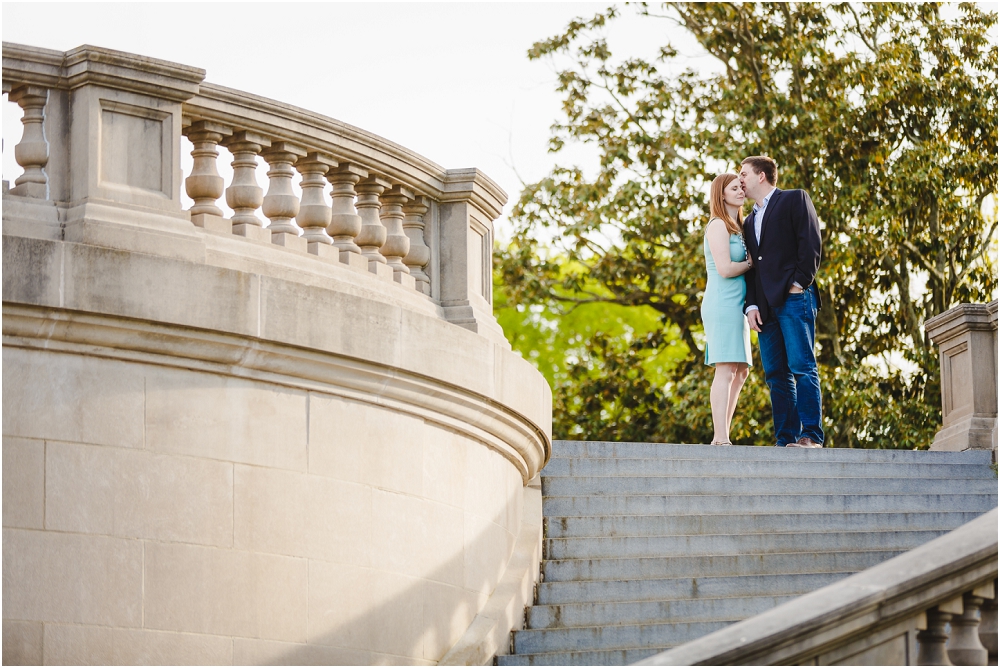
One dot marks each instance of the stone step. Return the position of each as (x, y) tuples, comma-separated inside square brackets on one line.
[(660, 525), (723, 544), (610, 450), (619, 636), (608, 591), (649, 612), (611, 657), (651, 545), (608, 485), (590, 467), (639, 568), (687, 504)]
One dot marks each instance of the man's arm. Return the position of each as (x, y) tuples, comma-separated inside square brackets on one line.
[(751, 276), (810, 242)]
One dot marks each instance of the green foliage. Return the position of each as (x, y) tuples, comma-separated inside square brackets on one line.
[(886, 113)]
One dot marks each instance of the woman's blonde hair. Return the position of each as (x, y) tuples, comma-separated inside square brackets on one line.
[(717, 204)]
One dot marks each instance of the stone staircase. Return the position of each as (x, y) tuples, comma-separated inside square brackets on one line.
[(648, 546)]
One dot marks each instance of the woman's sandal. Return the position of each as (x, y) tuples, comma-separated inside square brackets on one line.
[(722, 442)]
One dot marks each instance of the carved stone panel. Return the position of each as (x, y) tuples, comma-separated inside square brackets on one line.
[(479, 249), (135, 147)]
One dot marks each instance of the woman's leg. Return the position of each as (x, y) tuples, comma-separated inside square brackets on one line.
[(739, 377), (725, 373)]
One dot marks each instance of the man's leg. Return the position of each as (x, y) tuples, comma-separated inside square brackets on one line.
[(797, 319), (780, 381)]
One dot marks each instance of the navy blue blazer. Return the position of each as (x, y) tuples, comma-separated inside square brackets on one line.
[(789, 250)]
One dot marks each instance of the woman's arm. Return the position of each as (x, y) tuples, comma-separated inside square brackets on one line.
[(718, 244)]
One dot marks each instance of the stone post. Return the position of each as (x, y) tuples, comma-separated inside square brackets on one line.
[(314, 212), (373, 233), (419, 254), (32, 152), (965, 648), (345, 223), (244, 195), (966, 336), (932, 641), (280, 203), (120, 171), (204, 185), (397, 244), (468, 207)]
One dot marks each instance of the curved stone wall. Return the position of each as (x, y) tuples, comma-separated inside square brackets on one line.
[(221, 448), (259, 498)]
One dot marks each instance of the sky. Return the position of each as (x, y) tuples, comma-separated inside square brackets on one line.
[(451, 81)]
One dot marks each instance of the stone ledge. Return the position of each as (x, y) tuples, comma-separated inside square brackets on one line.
[(267, 293), (960, 319), (497, 426)]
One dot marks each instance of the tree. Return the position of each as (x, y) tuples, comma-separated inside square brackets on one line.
[(885, 113)]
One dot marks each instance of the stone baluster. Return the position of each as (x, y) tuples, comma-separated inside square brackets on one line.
[(32, 152), (205, 185), (932, 641), (988, 624), (345, 223), (964, 648), (397, 244), (372, 234), (419, 255), (314, 213), (244, 196), (280, 203)]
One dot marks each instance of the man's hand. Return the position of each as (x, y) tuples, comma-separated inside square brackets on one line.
[(753, 317)]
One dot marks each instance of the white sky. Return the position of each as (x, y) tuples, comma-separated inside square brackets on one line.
[(451, 81)]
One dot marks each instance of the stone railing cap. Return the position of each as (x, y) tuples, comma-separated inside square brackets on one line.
[(962, 318), (347, 143), (470, 183), (899, 588), (96, 65), (24, 64)]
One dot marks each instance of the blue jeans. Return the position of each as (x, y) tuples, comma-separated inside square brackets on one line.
[(787, 342)]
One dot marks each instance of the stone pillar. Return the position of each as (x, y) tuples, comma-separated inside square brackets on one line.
[(965, 648), (966, 336), (988, 625), (32, 152), (468, 207), (345, 223), (397, 244), (280, 203), (119, 156), (314, 212), (204, 185), (933, 640), (244, 195), (419, 254), (372, 234)]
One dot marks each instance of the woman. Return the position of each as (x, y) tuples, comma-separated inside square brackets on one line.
[(727, 334)]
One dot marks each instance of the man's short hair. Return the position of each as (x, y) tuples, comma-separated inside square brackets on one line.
[(763, 165)]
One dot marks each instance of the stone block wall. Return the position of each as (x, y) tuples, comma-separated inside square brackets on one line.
[(165, 515)]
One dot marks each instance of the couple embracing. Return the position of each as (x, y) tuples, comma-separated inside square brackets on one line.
[(761, 276)]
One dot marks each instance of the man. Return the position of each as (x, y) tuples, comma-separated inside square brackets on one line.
[(782, 236)]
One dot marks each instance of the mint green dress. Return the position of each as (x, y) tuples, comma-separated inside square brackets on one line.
[(727, 334)]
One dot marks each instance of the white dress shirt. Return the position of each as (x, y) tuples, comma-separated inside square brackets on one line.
[(758, 213)]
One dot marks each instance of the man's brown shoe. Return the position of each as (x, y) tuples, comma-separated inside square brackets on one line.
[(805, 442)]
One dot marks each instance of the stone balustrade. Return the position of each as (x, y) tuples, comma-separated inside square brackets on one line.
[(295, 435), (932, 606), (102, 132), (966, 336)]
